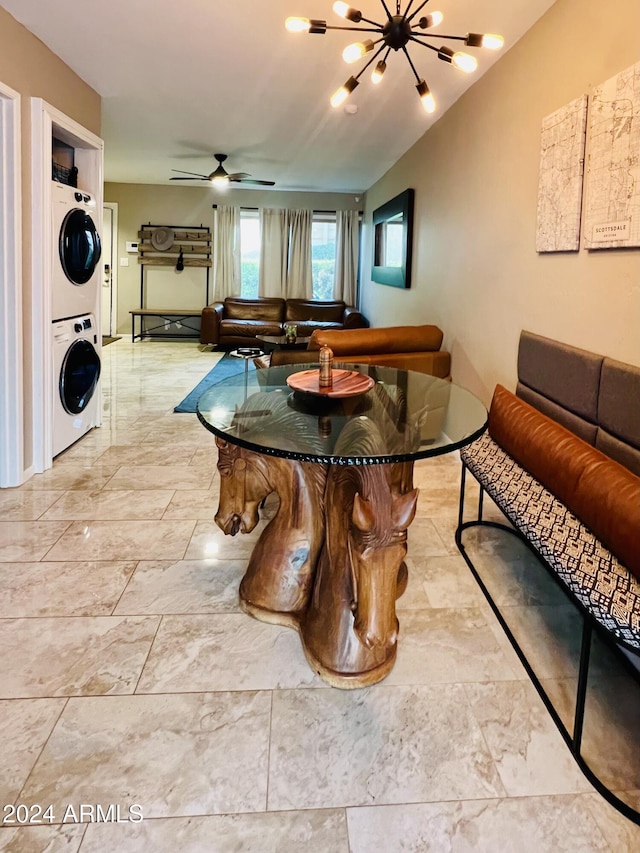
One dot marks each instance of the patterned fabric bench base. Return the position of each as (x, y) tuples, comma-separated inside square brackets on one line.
[(590, 572)]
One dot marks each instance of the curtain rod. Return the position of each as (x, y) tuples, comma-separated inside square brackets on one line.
[(215, 206)]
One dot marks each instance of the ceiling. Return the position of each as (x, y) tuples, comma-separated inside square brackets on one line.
[(182, 80)]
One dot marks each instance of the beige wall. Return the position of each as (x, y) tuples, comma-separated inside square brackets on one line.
[(31, 69), (475, 173), (192, 206)]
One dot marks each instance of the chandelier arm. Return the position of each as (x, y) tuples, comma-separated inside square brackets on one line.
[(424, 43), (419, 9), (417, 36), (375, 23), (386, 9), (413, 68), (406, 11), (366, 65), (375, 29)]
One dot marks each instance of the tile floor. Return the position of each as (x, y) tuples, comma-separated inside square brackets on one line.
[(132, 681)]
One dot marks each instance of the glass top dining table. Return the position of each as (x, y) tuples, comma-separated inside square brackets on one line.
[(331, 562), (404, 416)]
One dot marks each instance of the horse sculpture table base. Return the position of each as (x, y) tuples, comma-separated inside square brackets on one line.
[(331, 562)]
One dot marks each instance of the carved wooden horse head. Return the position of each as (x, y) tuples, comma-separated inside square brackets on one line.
[(243, 485), (377, 547)]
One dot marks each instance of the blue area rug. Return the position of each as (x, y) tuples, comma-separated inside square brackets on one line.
[(227, 366)]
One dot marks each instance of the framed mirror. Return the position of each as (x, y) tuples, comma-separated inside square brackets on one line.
[(392, 241)]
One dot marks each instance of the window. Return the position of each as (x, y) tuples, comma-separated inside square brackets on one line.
[(249, 253), (323, 253)]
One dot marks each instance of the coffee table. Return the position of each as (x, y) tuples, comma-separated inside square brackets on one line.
[(330, 563), (277, 342)]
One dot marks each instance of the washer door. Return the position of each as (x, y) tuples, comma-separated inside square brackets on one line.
[(79, 246), (79, 376)]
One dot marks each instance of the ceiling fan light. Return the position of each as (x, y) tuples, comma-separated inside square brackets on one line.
[(426, 98), (354, 52), (378, 72), (347, 11), (431, 20), (341, 94)]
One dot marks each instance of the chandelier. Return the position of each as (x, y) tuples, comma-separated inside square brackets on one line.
[(395, 34)]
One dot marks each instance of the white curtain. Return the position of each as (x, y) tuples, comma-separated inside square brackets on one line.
[(226, 252), (299, 278), (347, 248), (274, 252)]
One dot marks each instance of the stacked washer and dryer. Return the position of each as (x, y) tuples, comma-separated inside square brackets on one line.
[(75, 293)]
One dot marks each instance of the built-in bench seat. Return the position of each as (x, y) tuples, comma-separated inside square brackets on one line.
[(561, 460)]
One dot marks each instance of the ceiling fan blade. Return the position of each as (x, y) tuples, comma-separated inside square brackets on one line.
[(255, 182), (182, 172), (194, 178), (238, 175)]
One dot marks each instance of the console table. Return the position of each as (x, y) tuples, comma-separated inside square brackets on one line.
[(331, 562)]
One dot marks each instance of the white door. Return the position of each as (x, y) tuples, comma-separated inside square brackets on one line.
[(109, 273)]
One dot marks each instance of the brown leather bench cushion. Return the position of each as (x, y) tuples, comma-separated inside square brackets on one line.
[(601, 493), (388, 339)]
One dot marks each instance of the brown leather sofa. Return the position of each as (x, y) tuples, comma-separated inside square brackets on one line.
[(407, 347), (236, 321)]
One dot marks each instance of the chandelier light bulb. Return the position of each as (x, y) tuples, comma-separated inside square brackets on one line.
[(431, 20), (492, 41), (341, 95), (378, 72), (426, 98), (355, 51), (346, 11), (464, 61), (298, 25)]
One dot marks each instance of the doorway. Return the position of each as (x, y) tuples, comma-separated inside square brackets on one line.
[(109, 288)]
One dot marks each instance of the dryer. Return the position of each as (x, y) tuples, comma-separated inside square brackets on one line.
[(75, 275), (76, 363)]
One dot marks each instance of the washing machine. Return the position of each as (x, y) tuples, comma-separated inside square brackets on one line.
[(75, 274), (76, 363)]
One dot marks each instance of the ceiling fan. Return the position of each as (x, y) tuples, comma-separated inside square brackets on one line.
[(221, 176)]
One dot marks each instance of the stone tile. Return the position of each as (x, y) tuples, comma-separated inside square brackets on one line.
[(332, 748), (23, 505), (527, 824), (197, 504), (77, 476), (620, 832), (68, 657), (25, 725), (89, 588), (208, 541), (447, 582), (186, 586), (123, 540), (424, 540), (527, 748), (161, 477), (109, 505), (41, 839), (146, 454), (323, 831), (172, 755), (229, 651), (24, 541), (446, 646)]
